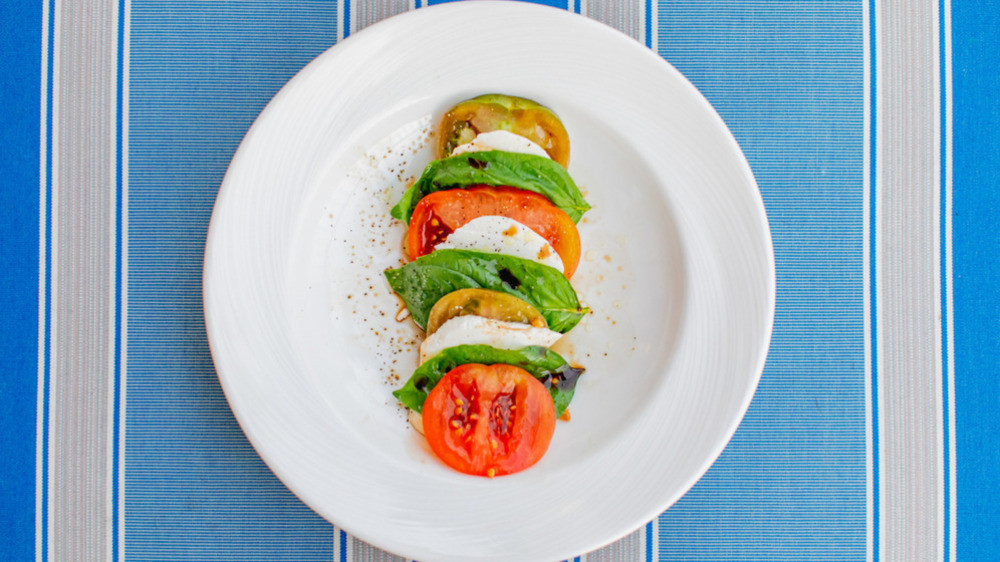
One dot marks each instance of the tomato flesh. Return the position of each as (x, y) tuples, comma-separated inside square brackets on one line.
[(489, 420), (442, 212)]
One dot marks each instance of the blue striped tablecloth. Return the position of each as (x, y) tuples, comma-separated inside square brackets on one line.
[(872, 127)]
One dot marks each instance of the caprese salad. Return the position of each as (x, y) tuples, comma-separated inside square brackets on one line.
[(492, 243)]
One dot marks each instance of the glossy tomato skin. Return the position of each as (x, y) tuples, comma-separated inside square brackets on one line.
[(493, 112), (442, 212), (489, 420)]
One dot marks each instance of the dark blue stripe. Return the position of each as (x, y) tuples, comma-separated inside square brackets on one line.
[(975, 346), (119, 272), (649, 540), (343, 546), (945, 281), (20, 59), (873, 268), (649, 22), (347, 17)]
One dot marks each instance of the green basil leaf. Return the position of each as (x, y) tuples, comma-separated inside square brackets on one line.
[(543, 363), (422, 282), (496, 167)]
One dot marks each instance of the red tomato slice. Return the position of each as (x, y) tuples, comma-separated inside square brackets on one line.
[(489, 420), (439, 214)]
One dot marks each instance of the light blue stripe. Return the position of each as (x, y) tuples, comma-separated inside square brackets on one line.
[(199, 74), (788, 79), (789, 486)]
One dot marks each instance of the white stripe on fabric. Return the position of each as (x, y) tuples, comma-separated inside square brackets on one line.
[(632, 547), (365, 13), (82, 281), (628, 16), (909, 335), (340, 19), (364, 552), (337, 534)]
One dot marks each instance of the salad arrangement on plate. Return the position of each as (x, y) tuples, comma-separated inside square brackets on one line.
[(492, 244)]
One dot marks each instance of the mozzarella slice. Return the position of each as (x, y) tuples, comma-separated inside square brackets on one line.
[(501, 140), (476, 330), (501, 235)]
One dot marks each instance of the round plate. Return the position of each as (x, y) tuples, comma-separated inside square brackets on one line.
[(677, 267)]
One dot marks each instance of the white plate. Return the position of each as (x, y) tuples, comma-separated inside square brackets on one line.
[(678, 268)]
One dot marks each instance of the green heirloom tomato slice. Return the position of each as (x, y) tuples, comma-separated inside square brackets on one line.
[(498, 112), (485, 303)]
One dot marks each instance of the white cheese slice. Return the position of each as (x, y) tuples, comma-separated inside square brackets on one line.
[(476, 330), (502, 235), (501, 140)]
